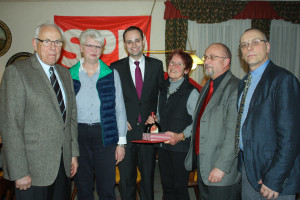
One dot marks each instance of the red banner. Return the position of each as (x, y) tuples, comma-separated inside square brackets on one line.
[(111, 28)]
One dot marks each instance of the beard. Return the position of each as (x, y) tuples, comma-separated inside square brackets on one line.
[(210, 71)]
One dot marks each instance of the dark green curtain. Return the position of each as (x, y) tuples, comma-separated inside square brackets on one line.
[(210, 11), (176, 35)]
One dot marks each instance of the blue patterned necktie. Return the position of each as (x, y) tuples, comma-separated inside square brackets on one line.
[(241, 110), (57, 90)]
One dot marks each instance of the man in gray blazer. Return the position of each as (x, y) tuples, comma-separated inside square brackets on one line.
[(214, 129), (39, 135)]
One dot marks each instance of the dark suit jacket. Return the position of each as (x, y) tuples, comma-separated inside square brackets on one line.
[(153, 77), (271, 132), (33, 131)]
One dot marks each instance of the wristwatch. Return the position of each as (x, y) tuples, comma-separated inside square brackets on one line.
[(183, 138), (122, 145)]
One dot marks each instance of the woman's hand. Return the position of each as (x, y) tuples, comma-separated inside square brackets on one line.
[(151, 119), (176, 137)]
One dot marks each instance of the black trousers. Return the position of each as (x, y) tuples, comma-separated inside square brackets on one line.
[(95, 159), (174, 177), (59, 190), (230, 192), (143, 156)]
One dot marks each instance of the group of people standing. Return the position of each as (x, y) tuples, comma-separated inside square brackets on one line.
[(242, 136)]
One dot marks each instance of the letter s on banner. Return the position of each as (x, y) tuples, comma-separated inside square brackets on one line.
[(71, 49)]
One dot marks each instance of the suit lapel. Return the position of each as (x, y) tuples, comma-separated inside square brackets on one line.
[(44, 81), (147, 74), (218, 93), (260, 86), (129, 78)]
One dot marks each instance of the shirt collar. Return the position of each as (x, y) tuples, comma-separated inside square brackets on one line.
[(81, 65), (260, 70), (45, 66), (141, 60)]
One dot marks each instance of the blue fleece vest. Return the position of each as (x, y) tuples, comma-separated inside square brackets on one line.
[(106, 92)]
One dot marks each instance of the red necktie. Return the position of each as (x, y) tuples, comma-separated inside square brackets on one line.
[(205, 102), (138, 82), (138, 79)]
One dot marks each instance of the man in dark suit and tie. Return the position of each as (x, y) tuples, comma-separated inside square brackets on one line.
[(213, 129), (268, 125), (38, 121), (140, 77)]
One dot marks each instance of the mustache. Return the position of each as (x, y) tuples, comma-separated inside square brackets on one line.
[(206, 65)]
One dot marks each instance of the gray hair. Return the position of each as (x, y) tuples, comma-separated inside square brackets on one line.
[(92, 33), (37, 30)]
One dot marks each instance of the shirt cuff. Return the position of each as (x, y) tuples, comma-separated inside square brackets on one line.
[(122, 140)]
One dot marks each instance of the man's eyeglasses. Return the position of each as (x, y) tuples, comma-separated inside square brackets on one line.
[(137, 41), (212, 57), (253, 43), (90, 47), (48, 43)]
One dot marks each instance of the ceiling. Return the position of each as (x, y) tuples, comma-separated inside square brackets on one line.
[(75, 0)]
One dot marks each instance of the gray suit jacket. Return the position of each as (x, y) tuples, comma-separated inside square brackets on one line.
[(33, 131), (217, 133)]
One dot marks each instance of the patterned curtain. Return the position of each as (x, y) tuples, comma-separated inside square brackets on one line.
[(202, 12), (262, 24), (216, 11), (209, 11), (289, 11), (176, 35)]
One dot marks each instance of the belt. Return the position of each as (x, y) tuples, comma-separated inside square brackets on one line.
[(90, 124)]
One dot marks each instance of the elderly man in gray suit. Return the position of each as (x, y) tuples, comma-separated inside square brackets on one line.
[(38, 121), (214, 129)]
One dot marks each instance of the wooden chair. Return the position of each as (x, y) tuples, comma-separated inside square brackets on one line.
[(193, 183), (7, 188), (138, 183)]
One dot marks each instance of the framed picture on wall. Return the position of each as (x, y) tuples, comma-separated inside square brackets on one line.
[(5, 38), (18, 56)]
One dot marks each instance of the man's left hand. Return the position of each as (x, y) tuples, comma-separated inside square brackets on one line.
[(74, 166), (216, 175), (120, 154), (267, 192)]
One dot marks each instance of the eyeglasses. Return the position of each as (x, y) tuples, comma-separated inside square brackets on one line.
[(253, 43), (136, 41), (48, 43), (175, 63), (212, 57), (92, 47)]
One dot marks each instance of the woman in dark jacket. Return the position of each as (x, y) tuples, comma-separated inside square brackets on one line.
[(177, 102)]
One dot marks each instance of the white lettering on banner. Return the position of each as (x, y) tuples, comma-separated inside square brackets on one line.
[(122, 51), (74, 48), (71, 47), (110, 41)]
